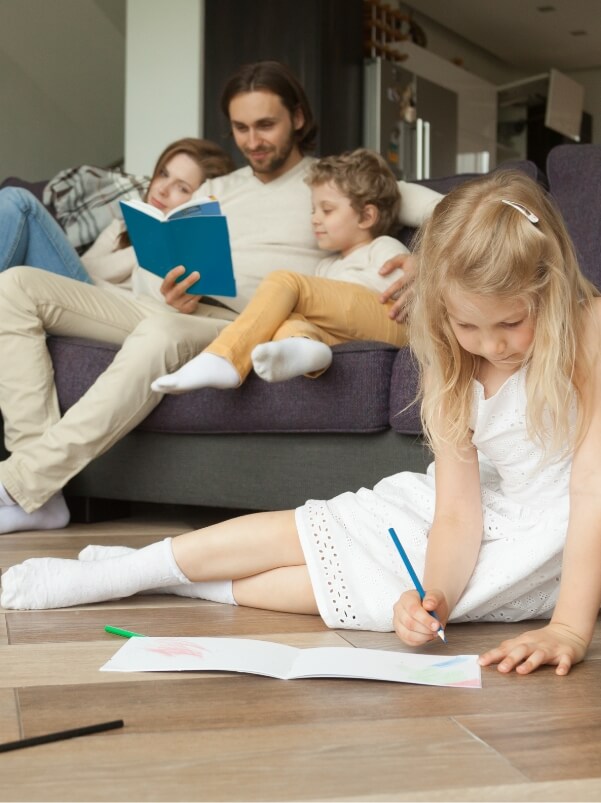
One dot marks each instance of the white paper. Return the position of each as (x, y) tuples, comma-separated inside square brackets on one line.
[(174, 654)]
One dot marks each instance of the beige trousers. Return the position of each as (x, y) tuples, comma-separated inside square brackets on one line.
[(288, 304), (47, 450)]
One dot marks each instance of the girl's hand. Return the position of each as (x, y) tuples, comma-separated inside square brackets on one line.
[(175, 292), (412, 621), (401, 289), (555, 644)]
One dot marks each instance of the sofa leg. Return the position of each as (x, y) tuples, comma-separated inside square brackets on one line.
[(90, 509)]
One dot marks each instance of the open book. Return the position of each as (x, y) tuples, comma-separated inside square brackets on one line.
[(194, 235), (172, 654)]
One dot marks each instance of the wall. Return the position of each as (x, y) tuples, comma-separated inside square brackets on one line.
[(164, 77), (62, 64)]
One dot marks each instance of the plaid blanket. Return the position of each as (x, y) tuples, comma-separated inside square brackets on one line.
[(86, 200)]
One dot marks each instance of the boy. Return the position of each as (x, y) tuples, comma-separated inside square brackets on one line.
[(290, 324)]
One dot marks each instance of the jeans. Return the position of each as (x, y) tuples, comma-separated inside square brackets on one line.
[(29, 235)]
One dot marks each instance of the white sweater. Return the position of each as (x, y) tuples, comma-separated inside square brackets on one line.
[(270, 229), (362, 265)]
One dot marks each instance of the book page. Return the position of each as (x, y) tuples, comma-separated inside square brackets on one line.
[(160, 654), (142, 206), (203, 205)]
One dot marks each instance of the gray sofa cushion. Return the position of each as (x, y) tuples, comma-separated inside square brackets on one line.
[(353, 395), (573, 172), (404, 410)]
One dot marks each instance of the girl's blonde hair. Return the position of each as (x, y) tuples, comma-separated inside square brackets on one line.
[(364, 177), (477, 244)]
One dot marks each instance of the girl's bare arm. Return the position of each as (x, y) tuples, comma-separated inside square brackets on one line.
[(453, 545)]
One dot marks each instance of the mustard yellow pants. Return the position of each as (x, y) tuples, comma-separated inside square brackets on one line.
[(289, 304)]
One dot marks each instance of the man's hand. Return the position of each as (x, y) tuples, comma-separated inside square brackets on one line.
[(175, 292), (400, 290)]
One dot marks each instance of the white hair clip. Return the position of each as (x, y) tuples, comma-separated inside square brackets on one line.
[(522, 210)]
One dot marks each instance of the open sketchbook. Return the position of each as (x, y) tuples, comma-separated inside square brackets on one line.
[(194, 235), (160, 654)]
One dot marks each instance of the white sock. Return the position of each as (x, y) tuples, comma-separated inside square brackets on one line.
[(215, 591), (53, 515), (294, 356), (203, 371), (41, 583)]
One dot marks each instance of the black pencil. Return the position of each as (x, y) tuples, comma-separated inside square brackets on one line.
[(60, 735)]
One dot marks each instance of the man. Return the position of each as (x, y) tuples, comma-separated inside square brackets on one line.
[(267, 203)]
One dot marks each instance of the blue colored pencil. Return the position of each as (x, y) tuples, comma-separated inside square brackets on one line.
[(418, 586)]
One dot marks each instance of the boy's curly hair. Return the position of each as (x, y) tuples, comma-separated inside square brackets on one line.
[(364, 177)]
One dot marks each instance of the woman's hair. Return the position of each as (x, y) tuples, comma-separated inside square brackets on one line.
[(477, 244), (275, 77), (211, 158), (364, 177)]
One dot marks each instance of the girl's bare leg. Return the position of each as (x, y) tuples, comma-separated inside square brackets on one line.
[(240, 547), (287, 589), (232, 550)]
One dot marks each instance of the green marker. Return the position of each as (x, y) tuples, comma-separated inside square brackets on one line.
[(119, 632)]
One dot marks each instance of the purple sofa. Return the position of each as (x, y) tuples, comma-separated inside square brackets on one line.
[(268, 446)]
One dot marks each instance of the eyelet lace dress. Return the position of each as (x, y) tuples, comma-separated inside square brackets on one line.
[(357, 574)]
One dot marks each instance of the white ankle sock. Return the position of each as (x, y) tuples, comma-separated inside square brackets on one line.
[(203, 371), (294, 356), (215, 591), (53, 515), (41, 583)]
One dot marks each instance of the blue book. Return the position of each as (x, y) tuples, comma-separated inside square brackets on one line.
[(194, 235)]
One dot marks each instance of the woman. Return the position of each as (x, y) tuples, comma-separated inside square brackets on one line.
[(29, 235)]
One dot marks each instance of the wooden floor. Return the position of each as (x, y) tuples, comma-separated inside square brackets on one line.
[(234, 737)]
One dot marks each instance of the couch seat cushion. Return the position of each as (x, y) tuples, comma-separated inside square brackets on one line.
[(404, 410), (352, 396)]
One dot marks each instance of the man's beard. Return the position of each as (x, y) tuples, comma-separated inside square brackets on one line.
[(277, 159)]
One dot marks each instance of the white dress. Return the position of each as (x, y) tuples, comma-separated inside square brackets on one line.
[(358, 575)]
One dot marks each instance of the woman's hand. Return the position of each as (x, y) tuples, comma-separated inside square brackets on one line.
[(175, 292), (554, 644), (412, 618), (401, 289)]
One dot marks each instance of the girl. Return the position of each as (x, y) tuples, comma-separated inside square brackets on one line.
[(506, 330), (355, 200), (31, 236)]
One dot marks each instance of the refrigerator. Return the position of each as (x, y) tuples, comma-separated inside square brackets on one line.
[(411, 121)]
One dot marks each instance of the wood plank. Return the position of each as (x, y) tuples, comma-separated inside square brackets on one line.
[(311, 762), (548, 746), (9, 716), (195, 618), (588, 789), (74, 663), (240, 700), (3, 629)]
